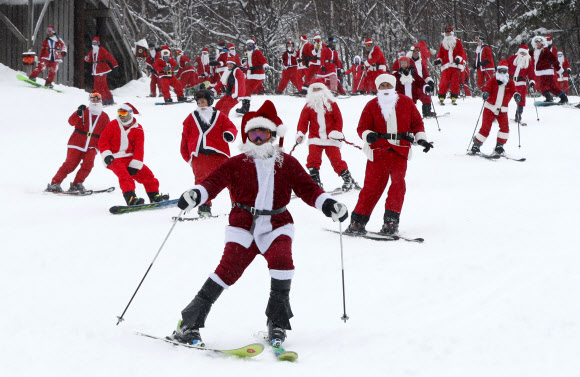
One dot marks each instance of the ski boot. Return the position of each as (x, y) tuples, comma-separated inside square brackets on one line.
[(549, 97), (454, 99), (32, 79), (155, 197), (49, 85), (563, 98), (54, 187), (441, 99), (168, 100), (185, 335), (349, 182), (204, 210), (182, 99), (132, 199), (498, 151), (475, 148), (427, 113), (357, 224), (390, 223), (78, 187), (152, 95), (276, 335), (315, 174), (245, 107)]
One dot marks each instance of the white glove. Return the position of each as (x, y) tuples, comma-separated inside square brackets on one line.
[(189, 200), (339, 212)]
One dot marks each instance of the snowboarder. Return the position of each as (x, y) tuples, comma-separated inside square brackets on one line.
[(289, 69), (234, 84), (122, 147), (261, 180), (186, 73), (545, 66), (385, 125), (88, 122), (483, 63), (165, 69), (322, 120), (521, 71), (204, 141), (412, 85), (497, 94), (450, 56), (376, 65), (154, 54), (51, 54), (257, 68), (99, 56), (357, 69)]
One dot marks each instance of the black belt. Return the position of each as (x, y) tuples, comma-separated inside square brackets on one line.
[(518, 78), (403, 136), (258, 212), (89, 134), (330, 61)]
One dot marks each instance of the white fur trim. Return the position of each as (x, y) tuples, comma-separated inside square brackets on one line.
[(316, 85), (250, 41), (421, 136), (260, 122), (365, 134), (545, 72), (203, 192), (321, 199), (325, 142), (281, 130), (479, 137), (104, 155), (523, 50), (282, 274), (239, 236), (336, 135), (136, 164), (503, 135), (385, 78), (213, 276), (233, 136)]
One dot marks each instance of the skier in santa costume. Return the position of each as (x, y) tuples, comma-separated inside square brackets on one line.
[(564, 77), (304, 57), (412, 85), (257, 67), (376, 65), (204, 141), (357, 69), (89, 123), (418, 59), (186, 73), (122, 147), (497, 94), (483, 63), (520, 71), (385, 126), (165, 69), (450, 57), (289, 69), (234, 84), (52, 52), (261, 181), (99, 56), (330, 64), (202, 65), (545, 66), (153, 55), (322, 120), (312, 56)]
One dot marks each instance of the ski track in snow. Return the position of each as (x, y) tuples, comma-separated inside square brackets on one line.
[(491, 292)]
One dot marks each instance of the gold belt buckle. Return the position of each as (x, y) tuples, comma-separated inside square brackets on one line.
[(89, 134)]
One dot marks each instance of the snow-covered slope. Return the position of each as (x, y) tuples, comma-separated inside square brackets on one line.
[(492, 291)]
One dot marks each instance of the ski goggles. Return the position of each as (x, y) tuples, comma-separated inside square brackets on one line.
[(262, 134), (539, 39), (368, 44), (449, 30), (123, 112), (502, 70), (95, 97)]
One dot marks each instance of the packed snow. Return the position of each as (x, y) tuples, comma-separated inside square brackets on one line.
[(493, 291)]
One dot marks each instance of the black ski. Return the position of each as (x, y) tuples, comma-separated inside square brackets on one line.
[(81, 193), (376, 236), (116, 210), (498, 156)]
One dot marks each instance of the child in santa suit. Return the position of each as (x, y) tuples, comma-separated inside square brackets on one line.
[(204, 141), (450, 57), (99, 56), (165, 67), (261, 181), (122, 146), (385, 126), (520, 69), (565, 76), (233, 82), (357, 69), (322, 120), (497, 93), (89, 123)]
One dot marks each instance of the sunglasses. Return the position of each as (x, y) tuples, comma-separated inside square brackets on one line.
[(502, 70), (259, 134), (368, 44), (95, 97), (123, 112)]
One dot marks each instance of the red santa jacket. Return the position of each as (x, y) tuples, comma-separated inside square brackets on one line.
[(357, 71), (484, 59), (304, 54), (565, 66), (193, 138), (330, 62), (123, 142), (422, 68), (545, 63), (256, 63), (264, 184), (150, 61), (448, 57), (52, 49), (99, 57), (88, 129), (519, 74), (499, 95), (289, 60), (412, 89), (234, 81), (160, 65), (405, 118), (184, 65), (324, 127), (202, 69), (376, 60), (222, 59)]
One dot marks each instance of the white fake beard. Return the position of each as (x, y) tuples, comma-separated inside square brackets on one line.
[(449, 42), (205, 113), (561, 60), (205, 59), (232, 52), (522, 61), (503, 77), (95, 48), (95, 108), (319, 101), (152, 53), (387, 102), (406, 78), (126, 124), (263, 151)]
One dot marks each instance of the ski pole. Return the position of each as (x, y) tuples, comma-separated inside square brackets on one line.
[(436, 119), (536, 106), (120, 318), (344, 316), (294, 147), (519, 140), (349, 143), (569, 87), (472, 136)]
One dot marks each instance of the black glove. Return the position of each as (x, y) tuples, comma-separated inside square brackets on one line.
[(337, 211), (132, 171), (213, 63), (228, 137), (485, 95), (457, 60), (518, 97), (428, 90), (432, 85), (323, 69), (157, 49), (467, 79), (372, 137), (189, 200), (108, 160), (80, 110), (568, 70), (425, 144), (437, 62), (63, 54), (485, 62)]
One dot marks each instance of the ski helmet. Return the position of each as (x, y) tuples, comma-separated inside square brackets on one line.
[(204, 93)]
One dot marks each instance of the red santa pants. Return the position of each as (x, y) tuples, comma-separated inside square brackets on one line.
[(73, 159), (449, 77), (225, 104), (523, 92), (251, 86), (188, 79), (204, 164), (547, 83), (154, 84), (421, 96), (482, 78), (463, 80), (101, 86), (488, 118), (387, 163), (331, 81), (564, 85), (259, 89), (237, 258), (166, 82), (42, 66), (127, 182), (356, 85), (310, 72), (290, 74), (314, 159)]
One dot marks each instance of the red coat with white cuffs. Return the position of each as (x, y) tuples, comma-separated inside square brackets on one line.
[(99, 59), (122, 142), (93, 127), (412, 89), (193, 138), (52, 49), (448, 56), (376, 60), (265, 184), (160, 65), (520, 74), (256, 59), (323, 128), (544, 63), (236, 84), (499, 95), (405, 118)]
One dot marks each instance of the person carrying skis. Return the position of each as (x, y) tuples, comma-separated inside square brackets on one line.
[(261, 180), (204, 140), (450, 57), (234, 84), (122, 147), (386, 125), (520, 71), (88, 122), (497, 94), (99, 57), (51, 54), (322, 120)]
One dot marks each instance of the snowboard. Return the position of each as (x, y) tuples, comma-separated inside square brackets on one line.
[(78, 193), (29, 81), (189, 100), (546, 104), (117, 210), (250, 350)]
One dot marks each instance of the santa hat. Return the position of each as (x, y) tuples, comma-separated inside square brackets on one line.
[(251, 40), (97, 40), (549, 37), (205, 49), (130, 108), (230, 46), (385, 77), (401, 53), (221, 44), (560, 53), (502, 64), (524, 48), (316, 37), (449, 28), (231, 60), (50, 28), (303, 38), (404, 58), (266, 117), (367, 41)]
